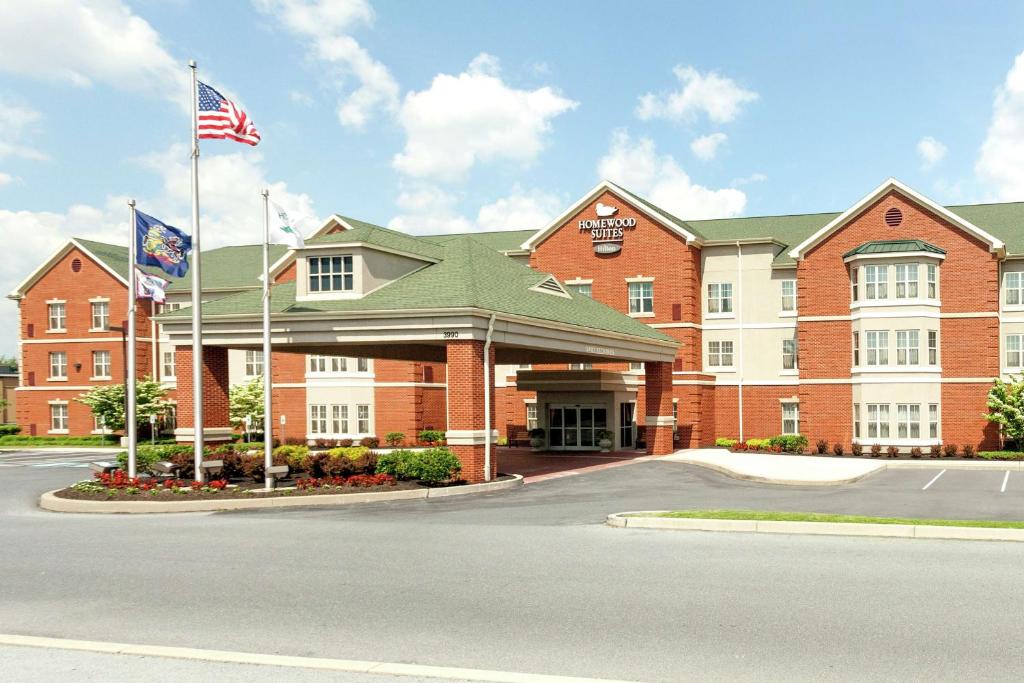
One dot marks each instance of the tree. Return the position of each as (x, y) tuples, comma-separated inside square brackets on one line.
[(247, 399), (107, 402), (1006, 408)]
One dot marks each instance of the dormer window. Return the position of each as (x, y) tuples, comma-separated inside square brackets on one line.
[(330, 273)]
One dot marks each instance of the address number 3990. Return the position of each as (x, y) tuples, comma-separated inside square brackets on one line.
[(451, 334)]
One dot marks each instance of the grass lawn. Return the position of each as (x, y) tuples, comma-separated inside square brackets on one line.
[(10, 440), (761, 516)]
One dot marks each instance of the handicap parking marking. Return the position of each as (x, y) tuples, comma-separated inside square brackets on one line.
[(933, 480)]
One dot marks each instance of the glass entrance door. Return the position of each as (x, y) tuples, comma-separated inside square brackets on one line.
[(626, 427), (576, 428)]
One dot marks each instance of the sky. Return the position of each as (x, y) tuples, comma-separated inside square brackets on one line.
[(468, 115)]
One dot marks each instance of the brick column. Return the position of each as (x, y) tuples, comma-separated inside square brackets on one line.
[(216, 422), (658, 402), (465, 433)]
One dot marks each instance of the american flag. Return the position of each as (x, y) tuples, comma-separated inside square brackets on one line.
[(220, 118)]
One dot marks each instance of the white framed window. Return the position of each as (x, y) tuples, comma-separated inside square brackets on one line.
[(363, 419), (1014, 283), (641, 297), (531, 416), (933, 347), (789, 295), (253, 363), (58, 417), (339, 418), (58, 365), (908, 421), (856, 349), (586, 290), (720, 297), (581, 366), (878, 420), (101, 364), (720, 354), (932, 273), (854, 288), (56, 316), (907, 347), (856, 420), (100, 315), (791, 417), (876, 282), (1013, 346), (325, 364), (636, 367), (878, 347), (933, 420), (906, 280), (169, 370), (317, 419), (789, 354), (330, 273), (363, 364), (169, 306)]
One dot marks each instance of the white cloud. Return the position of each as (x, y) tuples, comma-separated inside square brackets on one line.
[(325, 25), (17, 121), (1001, 162), (5, 178), (82, 42), (931, 151), (299, 97), (636, 165), (719, 97), (428, 210), (706, 146), (474, 117), (748, 180), (520, 210)]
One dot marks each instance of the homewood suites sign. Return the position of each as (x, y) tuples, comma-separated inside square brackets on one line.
[(606, 231)]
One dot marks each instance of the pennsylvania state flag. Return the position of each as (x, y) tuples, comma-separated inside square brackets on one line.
[(161, 245)]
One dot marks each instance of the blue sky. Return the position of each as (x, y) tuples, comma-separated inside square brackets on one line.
[(452, 116)]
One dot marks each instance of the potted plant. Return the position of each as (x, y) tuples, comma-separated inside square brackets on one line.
[(604, 440), (537, 439)]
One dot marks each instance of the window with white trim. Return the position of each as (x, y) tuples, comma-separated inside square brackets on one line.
[(330, 273), (933, 347), (789, 295), (906, 280), (339, 419), (586, 290), (720, 297), (169, 306), (169, 371), (253, 363), (856, 420), (878, 420), (907, 347), (876, 282), (932, 272), (100, 315), (101, 364), (363, 364), (58, 365), (933, 420), (854, 288), (720, 354), (531, 416), (1013, 348), (641, 297), (317, 419), (56, 316), (363, 419), (58, 417), (789, 354), (878, 347), (325, 364), (856, 349), (1014, 283), (908, 421), (636, 367), (791, 417), (581, 366)]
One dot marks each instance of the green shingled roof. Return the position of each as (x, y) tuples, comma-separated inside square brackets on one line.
[(893, 247), (470, 274), (499, 240), (369, 233), (223, 268)]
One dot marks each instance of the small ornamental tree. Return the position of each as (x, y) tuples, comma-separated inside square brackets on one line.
[(247, 399), (1006, 408), (107, 403)]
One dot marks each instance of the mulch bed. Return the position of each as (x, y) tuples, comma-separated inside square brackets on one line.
[(242, 491)]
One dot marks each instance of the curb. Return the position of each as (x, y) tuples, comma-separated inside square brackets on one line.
[(49, 501), (625, 521), (736, 474), (939, 464)]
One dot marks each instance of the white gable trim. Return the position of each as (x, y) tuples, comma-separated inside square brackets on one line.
[(603, 186), (49, 263), (799, 251)]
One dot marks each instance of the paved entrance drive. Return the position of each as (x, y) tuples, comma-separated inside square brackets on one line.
[(549, 465)]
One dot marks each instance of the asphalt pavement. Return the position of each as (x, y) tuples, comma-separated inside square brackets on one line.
[(531, 580)]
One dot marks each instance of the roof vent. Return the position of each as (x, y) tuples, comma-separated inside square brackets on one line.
[(893, 217), (76, 265), (550, 285)]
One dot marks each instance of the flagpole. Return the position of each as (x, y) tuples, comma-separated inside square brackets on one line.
[(268, 420), (197, 289), (131, 426)]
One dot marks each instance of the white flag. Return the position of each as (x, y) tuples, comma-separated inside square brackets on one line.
[(150, 287), (283, 231)]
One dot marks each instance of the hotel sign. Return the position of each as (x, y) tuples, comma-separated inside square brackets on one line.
[(606, 231)]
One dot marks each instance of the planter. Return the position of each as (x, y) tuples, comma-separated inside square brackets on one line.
[(605, 444), (537, 444)]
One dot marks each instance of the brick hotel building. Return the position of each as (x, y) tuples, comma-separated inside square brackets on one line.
[(885, 323)]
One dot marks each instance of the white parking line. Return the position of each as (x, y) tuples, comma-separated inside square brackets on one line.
[(934, 479), (1005, 479)]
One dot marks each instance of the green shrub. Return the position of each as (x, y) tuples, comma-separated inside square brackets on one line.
[(759, 443), (432, 465), (394, 439), (502, 440), (723, 442), (29, 440), (9, 429), (292, 455), (789, 443), (369, 441), (431, 436)]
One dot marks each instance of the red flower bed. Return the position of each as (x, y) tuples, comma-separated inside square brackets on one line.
[(119, 479), (356, 480)]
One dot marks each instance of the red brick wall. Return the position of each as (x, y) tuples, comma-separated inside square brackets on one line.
[(658, 403), (466, 402), (215, 387), (289, 368)]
